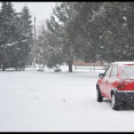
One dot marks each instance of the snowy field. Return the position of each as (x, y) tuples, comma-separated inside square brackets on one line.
[(57, 101)]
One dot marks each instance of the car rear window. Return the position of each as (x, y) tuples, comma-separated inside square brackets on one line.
[(114, 72), (128, 71)]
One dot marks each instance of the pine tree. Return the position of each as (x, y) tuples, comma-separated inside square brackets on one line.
[(15, 36), (84, 30), (50, 39), (65, 13), (117, 36), (7, 41), (25, 29)]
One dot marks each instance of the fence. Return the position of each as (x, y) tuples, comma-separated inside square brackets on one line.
[(91, 67)]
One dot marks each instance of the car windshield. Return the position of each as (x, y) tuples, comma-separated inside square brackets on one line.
[(128, 71)]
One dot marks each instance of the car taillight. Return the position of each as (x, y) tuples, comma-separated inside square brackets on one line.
[(120, 85)]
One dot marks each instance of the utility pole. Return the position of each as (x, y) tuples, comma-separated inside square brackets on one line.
[(101, 55), (36, 45), (101, 47), (35, 28), (34, 41)]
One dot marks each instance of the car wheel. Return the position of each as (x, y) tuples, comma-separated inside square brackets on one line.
[(99, 97), (114, 102)]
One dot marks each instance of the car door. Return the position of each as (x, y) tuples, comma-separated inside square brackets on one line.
[(112, 82), (104, 82)]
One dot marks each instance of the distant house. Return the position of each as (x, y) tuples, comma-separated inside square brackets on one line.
[(82, 63)]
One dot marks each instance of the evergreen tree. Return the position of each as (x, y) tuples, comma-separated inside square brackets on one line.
[(65, 13), (25, 44), (84, 30), (15, 36), (50, 40), (7, 41), (117, 36)]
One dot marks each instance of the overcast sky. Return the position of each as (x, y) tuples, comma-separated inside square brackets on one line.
[(42, 10)]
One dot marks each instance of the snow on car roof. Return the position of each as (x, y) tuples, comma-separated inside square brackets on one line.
[(126, 62)]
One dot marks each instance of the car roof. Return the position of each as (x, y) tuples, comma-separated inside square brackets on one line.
[(123, 63)]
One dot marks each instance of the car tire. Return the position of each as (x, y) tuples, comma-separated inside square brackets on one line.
[(99, 97), (114, 102)]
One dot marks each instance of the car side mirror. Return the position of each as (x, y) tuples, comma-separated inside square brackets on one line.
[(101, 75)]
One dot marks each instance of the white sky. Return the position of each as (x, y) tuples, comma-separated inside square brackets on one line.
[(42, 10)]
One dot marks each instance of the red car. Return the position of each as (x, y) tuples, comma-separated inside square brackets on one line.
[(117, 84)]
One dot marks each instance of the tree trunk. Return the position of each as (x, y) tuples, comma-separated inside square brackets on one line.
[(16, 68), (3, 69), (70, 59), (70, 67)]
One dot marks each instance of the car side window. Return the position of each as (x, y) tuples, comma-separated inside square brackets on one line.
[(114, 72), (107, 73)]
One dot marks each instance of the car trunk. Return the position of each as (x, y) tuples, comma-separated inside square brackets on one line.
[(128, 74), (129, 84)]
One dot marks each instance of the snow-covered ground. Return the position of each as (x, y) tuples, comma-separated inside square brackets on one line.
[(57, 101)]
